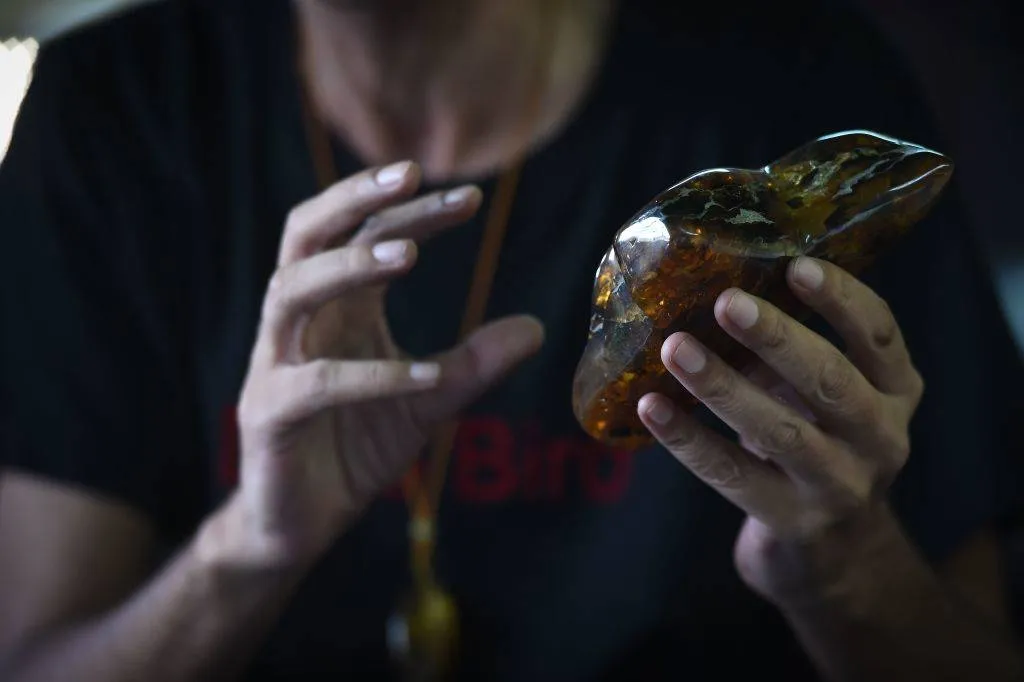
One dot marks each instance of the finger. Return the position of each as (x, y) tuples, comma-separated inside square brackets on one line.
[(753, 485), (422, 218), (479, 363), (376, 434), (300, 289), (828, 383), (773, 431), (304, 390), (862, 319), (769, 381), (314, 224)]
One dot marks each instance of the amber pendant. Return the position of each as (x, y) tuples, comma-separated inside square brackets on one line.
[(845, 198), (423, 631), (423, 635)]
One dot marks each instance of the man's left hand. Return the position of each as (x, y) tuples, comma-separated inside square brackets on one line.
[(803, 466)]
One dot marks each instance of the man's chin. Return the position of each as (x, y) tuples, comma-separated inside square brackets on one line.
[(370, 5)]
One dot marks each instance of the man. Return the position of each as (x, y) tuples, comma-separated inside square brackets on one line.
[(179, 247)]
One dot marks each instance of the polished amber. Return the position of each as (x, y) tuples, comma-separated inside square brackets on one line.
[(423, 635), (844, 198)]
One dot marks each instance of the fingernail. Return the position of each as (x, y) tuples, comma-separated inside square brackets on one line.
[(742, 310), (425, 371), (689, 356), (457, 196), (808, 274), (660, 411), (391, 252), (393, 174)]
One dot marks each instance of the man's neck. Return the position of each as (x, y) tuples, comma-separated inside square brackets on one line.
[(464, 87)]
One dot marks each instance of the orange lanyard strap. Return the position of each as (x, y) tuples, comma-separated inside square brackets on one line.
[(423, 501)]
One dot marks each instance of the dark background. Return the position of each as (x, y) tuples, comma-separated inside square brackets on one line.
[(965, 55)]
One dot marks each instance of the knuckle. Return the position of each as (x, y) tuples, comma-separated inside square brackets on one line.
[(277, 280), (375, 375), (356, 259), (382, 379), (321, 379), (718, 469), (916, 389), (836, 379), (248, 422), (711, 464), (245, 414), (896, 442), (280, 297), (782, 437), (309, 385), (843, 296), (874, 412), (271, 305), (901, 447), (681, 441), (340, 196), (295, 222), (253, 414), (774, 334), (886, 332), (720, 388)]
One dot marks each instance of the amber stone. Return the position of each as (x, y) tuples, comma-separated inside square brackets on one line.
[(845, 198), (423, 635)]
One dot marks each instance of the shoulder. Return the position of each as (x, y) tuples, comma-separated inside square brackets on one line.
[(138, 80), (130, 55)]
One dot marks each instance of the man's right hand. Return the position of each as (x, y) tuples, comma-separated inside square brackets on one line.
[(332, 412)]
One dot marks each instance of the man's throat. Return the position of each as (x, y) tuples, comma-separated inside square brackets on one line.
[(479, 110)]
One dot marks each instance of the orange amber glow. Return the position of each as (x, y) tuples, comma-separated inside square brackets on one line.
[(845, 198)]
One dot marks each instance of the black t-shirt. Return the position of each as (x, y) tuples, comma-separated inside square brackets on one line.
[(152, 168)]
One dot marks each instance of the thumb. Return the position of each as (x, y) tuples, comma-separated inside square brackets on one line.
[(480, 362)]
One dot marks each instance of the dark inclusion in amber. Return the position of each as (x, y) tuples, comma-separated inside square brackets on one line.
[(844, 198)]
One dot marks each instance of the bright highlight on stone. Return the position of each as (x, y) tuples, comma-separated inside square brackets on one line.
[(845, 198)]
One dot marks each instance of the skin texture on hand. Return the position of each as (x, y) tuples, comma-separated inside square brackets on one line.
[(332, 411), (822, 435), (823, 443)]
